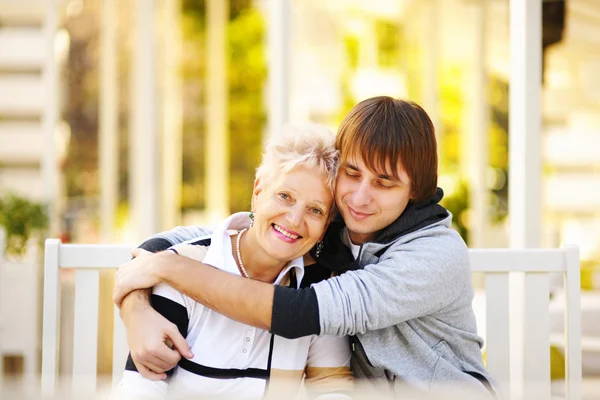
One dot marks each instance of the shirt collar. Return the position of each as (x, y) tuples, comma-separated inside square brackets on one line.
[(219, 253)]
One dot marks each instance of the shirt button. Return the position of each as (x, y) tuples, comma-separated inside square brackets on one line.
[(243, 351), (247, 339)]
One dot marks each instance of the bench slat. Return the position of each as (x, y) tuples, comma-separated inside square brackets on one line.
[(94, 256), (573, 324), (51, 325), (526, 260), (537, 335), (497, 329), (85, 337)]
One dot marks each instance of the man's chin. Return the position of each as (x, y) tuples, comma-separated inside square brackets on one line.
[(359, 228)]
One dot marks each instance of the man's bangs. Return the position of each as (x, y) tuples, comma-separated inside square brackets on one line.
[(376, 157)]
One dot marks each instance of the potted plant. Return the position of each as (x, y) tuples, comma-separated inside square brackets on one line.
[(21, 218)]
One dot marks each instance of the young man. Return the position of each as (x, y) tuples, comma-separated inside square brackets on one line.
[(403, 291)]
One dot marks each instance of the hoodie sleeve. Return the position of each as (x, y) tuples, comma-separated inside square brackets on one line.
[(410, 280), (164, 240)]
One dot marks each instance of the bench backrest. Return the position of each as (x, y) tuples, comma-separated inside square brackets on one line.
[(496, 264)]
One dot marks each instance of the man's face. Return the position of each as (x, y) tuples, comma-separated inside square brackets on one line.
[(370, 200)]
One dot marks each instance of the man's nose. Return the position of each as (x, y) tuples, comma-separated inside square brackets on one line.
[(362, 195)]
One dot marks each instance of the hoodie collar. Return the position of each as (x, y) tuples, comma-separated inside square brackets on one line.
[(336, 256)]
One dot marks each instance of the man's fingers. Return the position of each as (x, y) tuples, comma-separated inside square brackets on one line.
[(169, 358), (163, 357), (158, 365), (180, 343), (148, 374), (158, 358), (136, 252), (118, 295)]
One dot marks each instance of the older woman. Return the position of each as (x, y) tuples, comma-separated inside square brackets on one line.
[(292, 204)]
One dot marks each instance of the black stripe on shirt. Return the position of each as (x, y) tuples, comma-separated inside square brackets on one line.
[(201, 242), (219, 373), (155, 245), (269, 360)]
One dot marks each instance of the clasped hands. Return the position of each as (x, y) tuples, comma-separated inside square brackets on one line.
[(155, 344)]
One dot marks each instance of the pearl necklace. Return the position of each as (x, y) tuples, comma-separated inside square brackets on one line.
[(239, 255)]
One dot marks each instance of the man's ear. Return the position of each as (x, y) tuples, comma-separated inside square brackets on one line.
[(256, 191)]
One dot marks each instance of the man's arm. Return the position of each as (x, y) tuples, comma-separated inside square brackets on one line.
[(244, 300), (418, 278), (175, 236), (138, 299), (146, 328)]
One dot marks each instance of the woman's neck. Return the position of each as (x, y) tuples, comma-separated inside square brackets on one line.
[(257, 263)]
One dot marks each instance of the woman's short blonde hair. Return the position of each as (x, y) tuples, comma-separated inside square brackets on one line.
[(307, 145)]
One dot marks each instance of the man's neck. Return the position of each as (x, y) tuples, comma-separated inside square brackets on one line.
[(360, 238)]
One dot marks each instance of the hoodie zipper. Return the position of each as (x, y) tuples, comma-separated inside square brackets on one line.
[(358, 349), (356, 263)]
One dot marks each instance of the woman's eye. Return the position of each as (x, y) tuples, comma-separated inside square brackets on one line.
[(284, 196), (317, 211)]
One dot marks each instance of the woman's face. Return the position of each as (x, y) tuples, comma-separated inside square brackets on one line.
[(291, 212)]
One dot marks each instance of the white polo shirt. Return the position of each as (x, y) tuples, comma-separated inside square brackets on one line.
[(234, 360)]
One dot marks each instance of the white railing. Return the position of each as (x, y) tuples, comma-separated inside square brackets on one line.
[(496, 264)]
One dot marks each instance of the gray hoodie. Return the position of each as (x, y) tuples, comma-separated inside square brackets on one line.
[(410, 311)]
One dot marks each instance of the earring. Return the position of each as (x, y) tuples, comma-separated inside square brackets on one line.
[(251, 216), (319, 249)]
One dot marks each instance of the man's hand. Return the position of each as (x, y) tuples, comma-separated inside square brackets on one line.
[(155, 343), (135, 274)]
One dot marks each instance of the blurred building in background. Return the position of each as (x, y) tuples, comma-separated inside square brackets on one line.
[(130, 117)]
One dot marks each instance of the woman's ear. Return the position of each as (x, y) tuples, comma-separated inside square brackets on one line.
[(255, 192)]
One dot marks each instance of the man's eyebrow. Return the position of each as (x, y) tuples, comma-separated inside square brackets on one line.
[(351, 166), (380, 176), (387, 177)]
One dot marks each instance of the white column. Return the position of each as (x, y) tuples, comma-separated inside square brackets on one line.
[(109, 120), (50, 114), (143, 140), (430, 44), (172, 116), (279, 52), (524, 159), (478, 129), (217, 155)]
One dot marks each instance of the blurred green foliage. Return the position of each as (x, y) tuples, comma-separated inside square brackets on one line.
[(498, 102), (246, 74), (246, 78), (21, 218), (396, 51), (458, 203)]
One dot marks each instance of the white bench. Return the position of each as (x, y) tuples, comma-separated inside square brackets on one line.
[(496, 264)]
